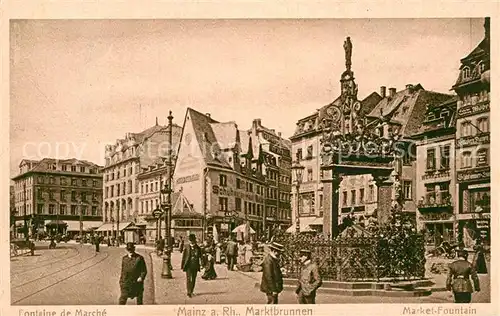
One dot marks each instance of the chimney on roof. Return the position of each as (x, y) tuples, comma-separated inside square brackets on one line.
[(208, 115), (392, 92), (382, 91), (487, 27), (279, 134), (273, 130), (409, 87), (257, 122)]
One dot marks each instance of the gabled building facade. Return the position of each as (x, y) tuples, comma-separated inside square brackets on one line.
[(435, 173), (473, 144), (347, 132), (222, 171)]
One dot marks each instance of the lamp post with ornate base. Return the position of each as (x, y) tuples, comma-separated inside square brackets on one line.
[(297, 168), (166, 205)]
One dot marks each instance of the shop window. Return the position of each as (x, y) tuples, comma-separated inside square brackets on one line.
[(480, 200)]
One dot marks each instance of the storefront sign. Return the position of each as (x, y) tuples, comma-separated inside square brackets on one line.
[(473, 109), (482, 158), (474, 174), (482, 223), (191, 178), (473, 140), (439, 216), (227, 191)]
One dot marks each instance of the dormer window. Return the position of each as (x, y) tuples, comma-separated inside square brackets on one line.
[(466, 72), (481, 67)]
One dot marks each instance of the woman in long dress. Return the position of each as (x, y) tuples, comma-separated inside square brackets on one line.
[(209, 273), (241, 253)]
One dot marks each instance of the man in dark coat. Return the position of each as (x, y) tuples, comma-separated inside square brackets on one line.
[(191, 263), (272, 278), (309, 279), (459, 275), (231, 253), (97, 242), (132, 277)]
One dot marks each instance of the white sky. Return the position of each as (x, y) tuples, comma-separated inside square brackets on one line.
[(83, 83)]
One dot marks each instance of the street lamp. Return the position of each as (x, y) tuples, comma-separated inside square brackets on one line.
[(166, 205), (157, 215), (81, 220), (297, 169)]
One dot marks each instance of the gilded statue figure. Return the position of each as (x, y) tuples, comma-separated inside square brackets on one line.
[(348, 53)]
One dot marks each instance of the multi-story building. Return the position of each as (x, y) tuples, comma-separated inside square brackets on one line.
[(57, 195), (124, 162), (435, 172), (12, 207), (473, 143), (379, 117), (306, 147), (151, 180), (222, 172), (276, 152)]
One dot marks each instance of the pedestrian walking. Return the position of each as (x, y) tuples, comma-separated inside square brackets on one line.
[(459, 278), (231, 253), (132, 276), (209, 263), (181, 245), (479, 260), (191, 263), (97, 241), (272, 278), (309, 279)]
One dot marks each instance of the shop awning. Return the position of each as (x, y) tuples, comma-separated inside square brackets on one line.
[(56, 223), (111, 226), (74, 226), (304, 228)]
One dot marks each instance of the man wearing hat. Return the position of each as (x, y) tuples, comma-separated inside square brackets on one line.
[(459, 275), (272, 279), (132, 277), (309, 279), (191, 263)]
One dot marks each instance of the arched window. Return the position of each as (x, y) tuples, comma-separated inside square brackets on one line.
[(466, 159)]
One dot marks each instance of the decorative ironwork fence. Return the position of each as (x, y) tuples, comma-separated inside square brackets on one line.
[(399, 255)]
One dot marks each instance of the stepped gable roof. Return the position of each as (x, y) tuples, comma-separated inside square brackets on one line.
[(439, 122), (205, 136)]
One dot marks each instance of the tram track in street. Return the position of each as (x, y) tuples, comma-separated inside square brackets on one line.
[(35, 266), (54, 274)]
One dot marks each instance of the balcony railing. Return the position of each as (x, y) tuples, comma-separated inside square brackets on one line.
[(435, 199)]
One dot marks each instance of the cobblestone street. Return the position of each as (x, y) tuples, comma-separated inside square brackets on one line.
[(74, 274)]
